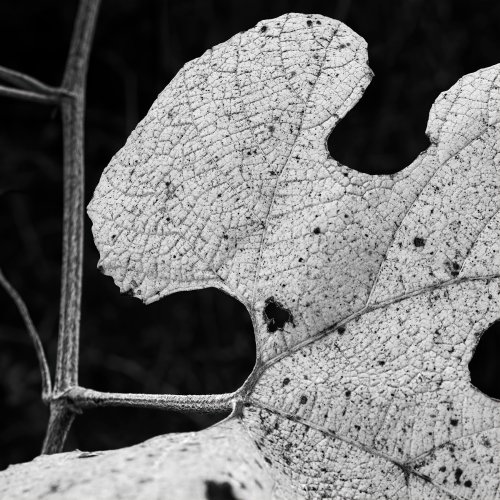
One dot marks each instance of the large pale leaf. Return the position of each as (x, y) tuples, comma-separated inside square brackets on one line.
[(368, 293)]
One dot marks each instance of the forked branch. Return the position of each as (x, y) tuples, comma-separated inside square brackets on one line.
[(67, 398), (28, 88), (70, 96)]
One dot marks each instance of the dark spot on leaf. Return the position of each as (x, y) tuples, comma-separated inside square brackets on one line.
[(453, 268), (276, 315), (301, 259), (458, 475), (442, 468), (486, 442), (268, 460), (271, 128), (454, 422), (419, 242), (263, 29), (341, 330), (348, 393), (219, 491), (317, 230), (286, 381), (468, 483), (309, 23), (303, 400)]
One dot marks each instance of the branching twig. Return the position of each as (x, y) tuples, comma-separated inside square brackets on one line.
[(67, 398), (28, 88), (22, 81), (23, 310)]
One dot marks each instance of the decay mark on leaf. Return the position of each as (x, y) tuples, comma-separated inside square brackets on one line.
[(219, 491), (276, 315)]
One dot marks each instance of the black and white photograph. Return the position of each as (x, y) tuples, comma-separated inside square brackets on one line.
[(249, 250)]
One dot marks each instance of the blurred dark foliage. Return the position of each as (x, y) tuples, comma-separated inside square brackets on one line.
[(196, 342)]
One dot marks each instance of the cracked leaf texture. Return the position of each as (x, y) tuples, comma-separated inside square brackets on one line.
[(368, 293)]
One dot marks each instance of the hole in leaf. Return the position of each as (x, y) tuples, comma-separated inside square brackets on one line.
[(484, 366)]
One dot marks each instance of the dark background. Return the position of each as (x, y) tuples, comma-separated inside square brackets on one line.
[(195, 342)]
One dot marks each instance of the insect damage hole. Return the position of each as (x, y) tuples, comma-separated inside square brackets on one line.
[(276, 315), (484, 366)]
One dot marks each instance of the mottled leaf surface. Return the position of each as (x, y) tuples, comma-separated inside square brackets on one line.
[(368, 293)]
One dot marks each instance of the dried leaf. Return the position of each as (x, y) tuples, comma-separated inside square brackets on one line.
[(368, 293)]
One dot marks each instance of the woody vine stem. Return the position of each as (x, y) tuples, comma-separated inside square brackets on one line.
[(66, 398)]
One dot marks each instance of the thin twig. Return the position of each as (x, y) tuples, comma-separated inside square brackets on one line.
[(26, 82), (25, 315), (29, 95)]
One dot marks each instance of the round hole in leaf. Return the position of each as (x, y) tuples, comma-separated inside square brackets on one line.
[(484, 366)]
